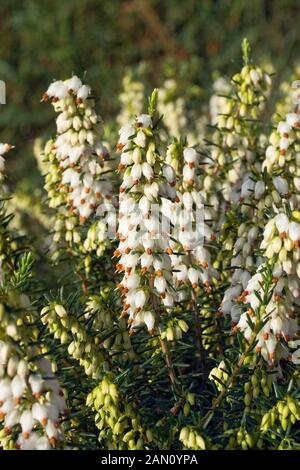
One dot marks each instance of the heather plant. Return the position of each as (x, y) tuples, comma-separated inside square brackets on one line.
[(156, 306)]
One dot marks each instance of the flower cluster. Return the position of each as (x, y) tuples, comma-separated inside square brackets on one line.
[(119, 424), (69, 330), (78, 148), (172, 107), (188, 214), (4, 148), (280, 247), (131, 100), (31, 402), (144, 249)]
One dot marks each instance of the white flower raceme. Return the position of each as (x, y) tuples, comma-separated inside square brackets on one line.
[(78, 148), (174, 104), (144, 249), (280, 247), (30, 399), (217, 102), (241, 185), (131, 99), (233, 150), (187, 214), (172, 107), (278, 316), (283, 142), (4, 148), (29, 389)]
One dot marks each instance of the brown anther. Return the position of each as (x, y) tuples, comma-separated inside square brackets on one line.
[(169, 251), (208, 287), (219, 314), (82, 219), (87, 190), (53, 440), (149, 251), (194, 286), (282, 152), (45, 97), (25, 435), (266, 336), (158, 273), (296, 244), (282, 235), (163, 295), (204, 264), (127, 251), (97, 195), (120, 146), (191, 165), (82, 201)]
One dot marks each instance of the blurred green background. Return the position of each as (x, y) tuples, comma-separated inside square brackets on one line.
[(42, 40)]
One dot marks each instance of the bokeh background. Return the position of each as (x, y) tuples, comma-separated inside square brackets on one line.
[(191, 39)]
